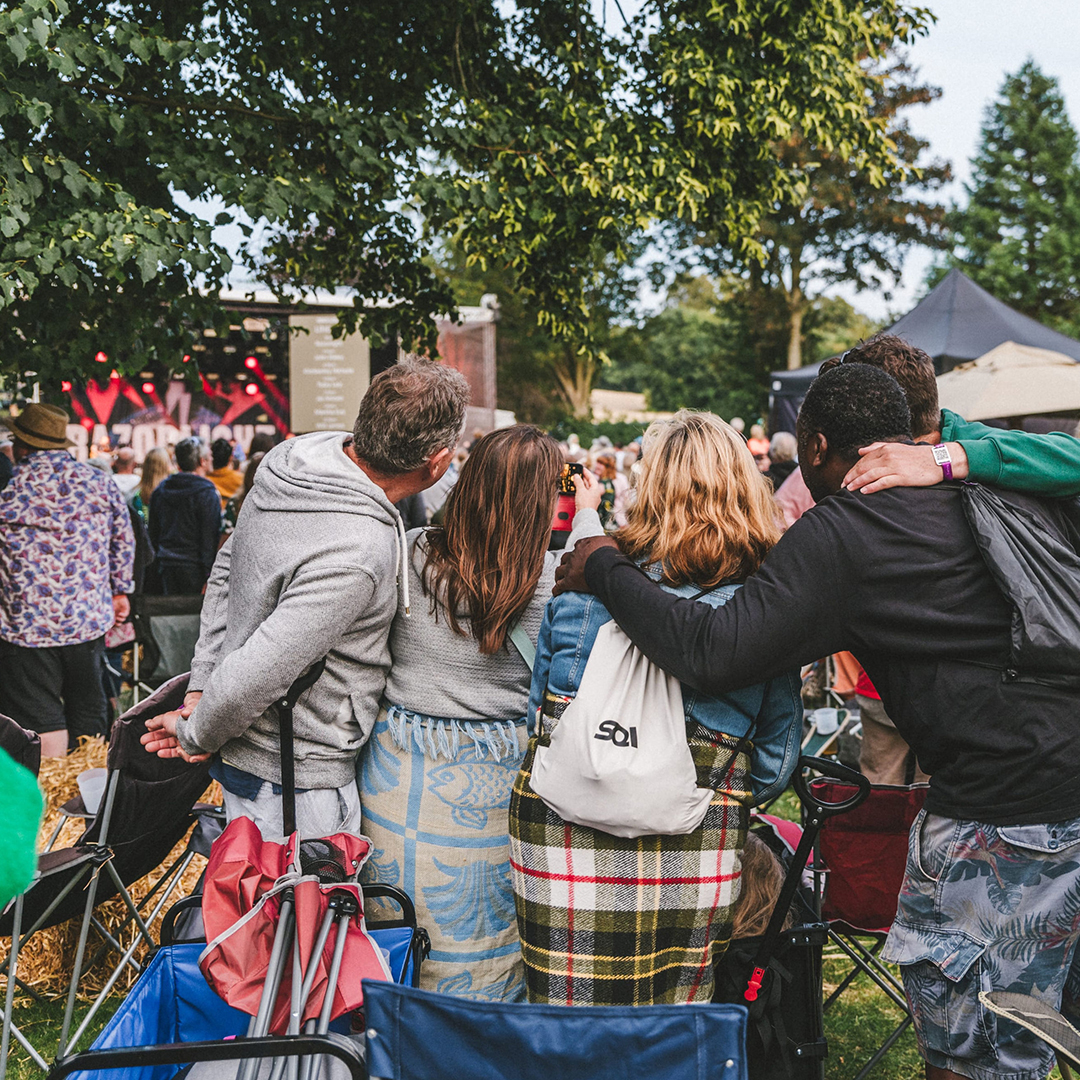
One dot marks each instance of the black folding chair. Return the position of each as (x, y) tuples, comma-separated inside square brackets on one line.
[(166, 630), (148, 806)]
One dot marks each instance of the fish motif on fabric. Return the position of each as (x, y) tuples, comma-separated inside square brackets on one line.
[(471, 790)]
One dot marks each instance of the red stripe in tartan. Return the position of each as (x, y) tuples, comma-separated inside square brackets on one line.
[(548, 875), (712, 915)]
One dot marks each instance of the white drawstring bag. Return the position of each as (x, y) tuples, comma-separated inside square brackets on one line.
[(619, 760)]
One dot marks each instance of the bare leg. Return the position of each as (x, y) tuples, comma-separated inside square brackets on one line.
[(54, 743)]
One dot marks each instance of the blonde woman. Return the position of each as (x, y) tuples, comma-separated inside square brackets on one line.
[(155, 467), (605, 920)]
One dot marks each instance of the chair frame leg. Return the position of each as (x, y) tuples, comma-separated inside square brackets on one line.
[(87, 1020)]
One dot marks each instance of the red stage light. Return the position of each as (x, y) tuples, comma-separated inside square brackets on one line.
[(66, 386), (87, 423), (187, 357), (148, 388), (251, 363), (101, 358), (114, 374), (251, 389)]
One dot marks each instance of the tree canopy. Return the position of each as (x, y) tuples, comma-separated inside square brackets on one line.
[(845, 225), (345, 139), (1019, 235)]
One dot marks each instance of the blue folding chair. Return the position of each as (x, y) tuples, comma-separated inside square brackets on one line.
[(417, 1035)]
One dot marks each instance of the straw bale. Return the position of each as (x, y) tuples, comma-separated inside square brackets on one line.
[(47, 960)]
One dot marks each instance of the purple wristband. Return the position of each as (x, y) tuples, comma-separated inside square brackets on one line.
[(944, 459)]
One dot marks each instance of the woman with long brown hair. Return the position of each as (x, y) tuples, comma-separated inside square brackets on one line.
[(436, 774), (608, 920)]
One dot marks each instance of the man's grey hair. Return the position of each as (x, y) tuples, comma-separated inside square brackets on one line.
[(410, 412), (189, 454)]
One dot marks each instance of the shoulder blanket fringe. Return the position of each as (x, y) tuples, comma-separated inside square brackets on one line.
[(437, 737)]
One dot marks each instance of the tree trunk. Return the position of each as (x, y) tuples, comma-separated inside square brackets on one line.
[(796, 305), (575, 374)]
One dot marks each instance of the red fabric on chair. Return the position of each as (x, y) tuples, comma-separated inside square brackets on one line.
[(242, 870), (865, 851)]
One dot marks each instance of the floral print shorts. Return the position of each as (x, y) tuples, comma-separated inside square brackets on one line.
[(987, 907)]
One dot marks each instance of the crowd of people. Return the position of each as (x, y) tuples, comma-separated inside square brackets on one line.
[(422, 572)]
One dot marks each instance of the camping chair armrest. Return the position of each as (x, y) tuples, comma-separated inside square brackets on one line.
[(76, 808), (269, 1046)]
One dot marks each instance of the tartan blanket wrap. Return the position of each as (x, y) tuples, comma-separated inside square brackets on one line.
[(607, 920)]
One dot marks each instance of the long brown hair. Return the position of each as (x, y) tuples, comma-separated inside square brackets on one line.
[(485, 561), (703, 511)]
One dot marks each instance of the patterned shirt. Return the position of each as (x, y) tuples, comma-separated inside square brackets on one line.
[(66, 548)]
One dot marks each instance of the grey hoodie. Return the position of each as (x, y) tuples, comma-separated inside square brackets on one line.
[(309, 572)]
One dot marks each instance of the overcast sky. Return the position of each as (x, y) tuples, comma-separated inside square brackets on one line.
[(968, 53)]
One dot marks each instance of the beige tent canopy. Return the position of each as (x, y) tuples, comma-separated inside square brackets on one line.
[(1012, 380)]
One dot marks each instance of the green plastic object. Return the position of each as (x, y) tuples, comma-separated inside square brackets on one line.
[(21, 807)]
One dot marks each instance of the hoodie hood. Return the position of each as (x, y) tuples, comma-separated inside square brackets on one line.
[(312, 473)]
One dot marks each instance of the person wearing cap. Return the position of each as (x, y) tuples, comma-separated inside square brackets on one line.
[(66, 561)]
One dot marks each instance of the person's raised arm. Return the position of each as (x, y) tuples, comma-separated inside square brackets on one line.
[(1017, 460), (787, 614)]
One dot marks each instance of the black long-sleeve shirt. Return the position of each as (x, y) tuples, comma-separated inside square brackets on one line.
[(895, 578)]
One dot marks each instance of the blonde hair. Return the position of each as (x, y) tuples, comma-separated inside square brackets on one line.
[(155, 467), (703, 511)]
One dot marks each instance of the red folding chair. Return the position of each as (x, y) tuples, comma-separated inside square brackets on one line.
[(859, 868)]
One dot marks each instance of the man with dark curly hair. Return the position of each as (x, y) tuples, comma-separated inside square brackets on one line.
[(992, 886)]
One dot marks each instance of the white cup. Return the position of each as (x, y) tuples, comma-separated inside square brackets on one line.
[(92, 787), (827, 720)]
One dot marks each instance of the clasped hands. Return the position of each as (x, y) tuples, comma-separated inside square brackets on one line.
[(160, 737)]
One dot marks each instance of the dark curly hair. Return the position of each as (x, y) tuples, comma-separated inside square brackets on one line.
[(912, 368), (854, 405)]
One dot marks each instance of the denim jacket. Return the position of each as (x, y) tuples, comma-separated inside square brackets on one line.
[(773, 708)]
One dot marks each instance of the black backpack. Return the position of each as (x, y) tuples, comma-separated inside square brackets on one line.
[(1030, 546)]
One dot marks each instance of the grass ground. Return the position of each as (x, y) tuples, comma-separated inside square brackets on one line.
[(855, 1026)]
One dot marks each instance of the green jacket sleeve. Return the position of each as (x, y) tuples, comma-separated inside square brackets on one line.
[(1018, 460), (21, 806)]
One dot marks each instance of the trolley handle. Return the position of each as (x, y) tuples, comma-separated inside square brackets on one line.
[(834, 771), (304, 682), (285, 707)]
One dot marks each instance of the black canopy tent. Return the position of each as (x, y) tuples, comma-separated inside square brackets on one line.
[(955, 322)]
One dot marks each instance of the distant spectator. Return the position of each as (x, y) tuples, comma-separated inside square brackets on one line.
[(7, 464), (738, 423), (613, 511), (759, 445), (157, 465), (782, 450), (124, 474), (224, 477), (232, 507), (57, 599), (185, 522), (261, 443), (413, 511)]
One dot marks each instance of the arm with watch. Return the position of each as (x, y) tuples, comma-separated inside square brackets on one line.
[(962, 450)]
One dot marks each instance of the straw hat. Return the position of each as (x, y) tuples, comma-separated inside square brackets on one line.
[(42, 426)]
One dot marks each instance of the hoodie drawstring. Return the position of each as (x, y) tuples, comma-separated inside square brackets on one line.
[(403, 564)]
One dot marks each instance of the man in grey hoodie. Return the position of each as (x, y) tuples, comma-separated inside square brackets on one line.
[(312, 571)]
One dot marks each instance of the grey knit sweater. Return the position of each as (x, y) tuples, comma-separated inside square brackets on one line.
[(439, 673)]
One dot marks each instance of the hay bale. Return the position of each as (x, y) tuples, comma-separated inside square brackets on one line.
[(46, 963)]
